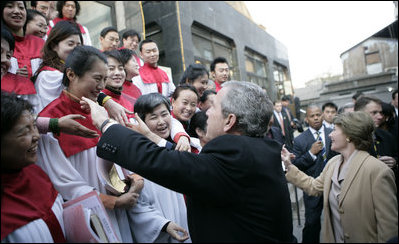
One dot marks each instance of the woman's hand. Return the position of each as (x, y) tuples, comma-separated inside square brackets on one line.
[(136, 182), (127, 200), (23, 71), (183, 144), (286, 157), (68, 125), (117, 112), (173, 230)]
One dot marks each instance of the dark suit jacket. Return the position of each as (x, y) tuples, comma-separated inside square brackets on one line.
[(288, 137), (276, 135), (303, 160), (236, 189)]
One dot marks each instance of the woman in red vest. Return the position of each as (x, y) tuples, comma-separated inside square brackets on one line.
[(31, 208), (70, 161), (27, 57)]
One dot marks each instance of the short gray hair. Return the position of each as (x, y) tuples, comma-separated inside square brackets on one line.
[(250, 104)]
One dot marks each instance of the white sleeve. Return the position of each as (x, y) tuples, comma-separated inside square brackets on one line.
[(35, 64), (48, 87), (168, 89), (177, 128), (86, 37), (145, 219), (65, 178), (14, 65)]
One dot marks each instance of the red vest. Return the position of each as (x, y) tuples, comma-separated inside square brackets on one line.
[(26, 49), (17, 84), (70, 144), (131, 89), (28, 195), (123, 99), (151, 75)]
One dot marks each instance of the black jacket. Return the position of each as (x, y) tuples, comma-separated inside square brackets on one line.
[(236, 189)]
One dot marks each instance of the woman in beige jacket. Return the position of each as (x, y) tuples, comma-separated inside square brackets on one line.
[(359, 190)]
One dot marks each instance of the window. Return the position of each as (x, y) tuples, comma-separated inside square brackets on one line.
[(373, 62), (95, 17), (280, 79), (208, 45), (256, 68)]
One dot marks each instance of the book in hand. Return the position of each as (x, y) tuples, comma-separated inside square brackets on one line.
[(86, 220), (112, 177)]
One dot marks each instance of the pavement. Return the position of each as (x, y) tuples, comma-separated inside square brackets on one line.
[(298, 211), (297, 206)]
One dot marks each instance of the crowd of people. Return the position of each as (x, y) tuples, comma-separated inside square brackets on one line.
[(202, 159)]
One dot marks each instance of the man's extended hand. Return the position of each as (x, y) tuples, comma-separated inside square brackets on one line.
[(98, 113)]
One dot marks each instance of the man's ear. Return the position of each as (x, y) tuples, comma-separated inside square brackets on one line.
[(70, 74), (229, 122), (213, 74)]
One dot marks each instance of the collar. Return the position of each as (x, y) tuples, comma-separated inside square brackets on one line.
[(116, 90), (313, 131)]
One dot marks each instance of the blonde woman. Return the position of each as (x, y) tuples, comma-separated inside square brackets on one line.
[(359, 190)]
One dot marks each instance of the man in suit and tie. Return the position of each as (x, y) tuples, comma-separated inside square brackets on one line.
[(312, 151), (282, 122), (227, 198)]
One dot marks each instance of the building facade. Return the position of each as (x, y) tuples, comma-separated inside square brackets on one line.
[(370, 67), (190, 32)]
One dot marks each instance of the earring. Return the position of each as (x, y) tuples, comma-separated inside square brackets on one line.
[(347, 139)]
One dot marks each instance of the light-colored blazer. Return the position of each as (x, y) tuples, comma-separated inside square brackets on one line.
[(367, 203)]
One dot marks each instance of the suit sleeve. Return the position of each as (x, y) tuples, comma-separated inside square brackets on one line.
[(303, 160), (183, 172)]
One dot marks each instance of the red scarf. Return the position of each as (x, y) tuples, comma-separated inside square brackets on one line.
[(64, 105), (56, 20), (18, 84), (28, 195), (27, 48), (48, 68), (218, 86), (123, 99), (131, 89), (151, 75)]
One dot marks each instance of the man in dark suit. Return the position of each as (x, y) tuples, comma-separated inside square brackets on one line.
[(282, 122), (312, 151), (236, 189)]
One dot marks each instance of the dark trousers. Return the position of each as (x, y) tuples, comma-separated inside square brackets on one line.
[(313, 209)]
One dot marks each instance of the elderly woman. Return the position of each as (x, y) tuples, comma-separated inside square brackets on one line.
[(359, 190), (31, 208)]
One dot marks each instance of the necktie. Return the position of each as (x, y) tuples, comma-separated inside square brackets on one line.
[(323, 150), (281, 123)]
